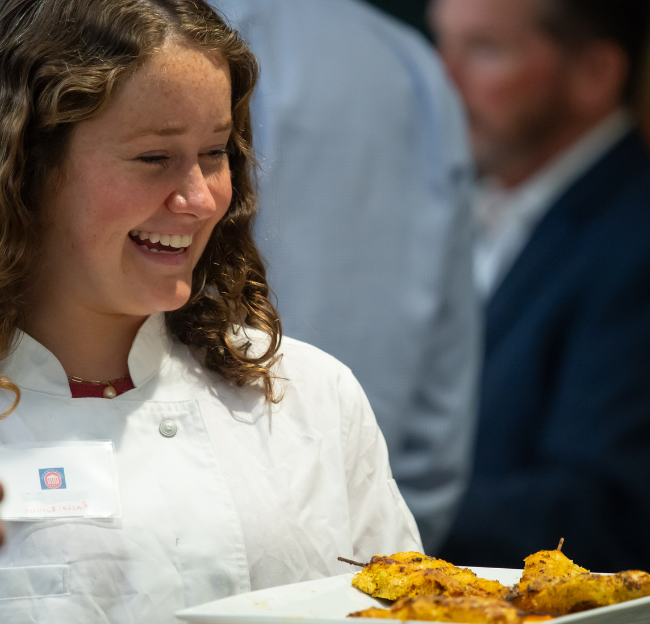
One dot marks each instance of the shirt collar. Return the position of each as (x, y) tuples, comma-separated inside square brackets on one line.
[(31, 366), (505, 218)]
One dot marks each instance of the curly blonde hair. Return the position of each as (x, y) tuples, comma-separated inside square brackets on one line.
[(62, 61)]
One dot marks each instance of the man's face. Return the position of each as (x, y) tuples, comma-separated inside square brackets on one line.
[(512, 76)]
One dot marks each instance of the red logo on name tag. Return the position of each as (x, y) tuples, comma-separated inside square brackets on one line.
[(52, 479)]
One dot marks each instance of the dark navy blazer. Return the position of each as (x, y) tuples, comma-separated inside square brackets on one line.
[(563, 447)]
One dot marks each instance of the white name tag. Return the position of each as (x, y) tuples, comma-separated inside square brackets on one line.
[(59, 480)]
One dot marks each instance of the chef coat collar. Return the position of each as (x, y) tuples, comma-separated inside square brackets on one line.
[(31, 366), (150, 350)]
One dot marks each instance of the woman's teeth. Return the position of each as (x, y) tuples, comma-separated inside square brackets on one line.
[(174, 240), (174, 244)]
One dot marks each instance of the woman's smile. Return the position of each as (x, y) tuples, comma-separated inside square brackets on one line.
[(171, 244)]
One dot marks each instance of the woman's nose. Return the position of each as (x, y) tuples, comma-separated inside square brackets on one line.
[(193, 195)]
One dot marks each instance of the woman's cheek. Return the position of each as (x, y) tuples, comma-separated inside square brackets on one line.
[(222, 193)]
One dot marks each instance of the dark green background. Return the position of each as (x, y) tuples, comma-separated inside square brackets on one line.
[(411, 11)]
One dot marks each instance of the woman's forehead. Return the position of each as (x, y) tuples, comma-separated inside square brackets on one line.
[(180, 89)]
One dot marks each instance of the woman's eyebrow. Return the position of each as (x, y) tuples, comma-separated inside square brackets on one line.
[(173, 131)]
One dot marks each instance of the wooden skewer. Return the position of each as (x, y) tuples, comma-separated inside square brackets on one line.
[(356, 563), (559, 546)]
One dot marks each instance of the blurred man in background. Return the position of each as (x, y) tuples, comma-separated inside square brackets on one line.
[(364, 190), (562, 259)]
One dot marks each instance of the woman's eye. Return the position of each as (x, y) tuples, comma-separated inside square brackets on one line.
[(161, 161), (218, 154)]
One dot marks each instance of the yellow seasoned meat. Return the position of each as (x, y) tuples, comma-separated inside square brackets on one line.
[(376, 613), (580, 592), (549, 564), (409, 574), (466, 609)]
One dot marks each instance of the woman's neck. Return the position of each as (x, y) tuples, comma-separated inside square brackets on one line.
[(88, 344)]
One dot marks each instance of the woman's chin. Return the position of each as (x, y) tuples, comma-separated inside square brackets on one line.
[(166, 301)]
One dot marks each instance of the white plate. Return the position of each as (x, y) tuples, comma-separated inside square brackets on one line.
[(330, 600)]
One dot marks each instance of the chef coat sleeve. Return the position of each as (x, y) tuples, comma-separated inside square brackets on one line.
[(380, 521)]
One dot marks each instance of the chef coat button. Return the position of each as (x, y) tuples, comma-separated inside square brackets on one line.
[(168, 428)]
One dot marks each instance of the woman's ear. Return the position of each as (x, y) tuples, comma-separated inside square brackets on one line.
[(599, 73)]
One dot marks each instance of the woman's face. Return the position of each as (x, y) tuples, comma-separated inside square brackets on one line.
[(144, 184)]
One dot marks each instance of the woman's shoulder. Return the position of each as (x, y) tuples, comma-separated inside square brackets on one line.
[(300, 363), (302, 351), (290, 350), (296, 353), (296, 364)]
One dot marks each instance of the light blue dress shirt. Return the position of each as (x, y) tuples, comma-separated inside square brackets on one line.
[(365, 225)]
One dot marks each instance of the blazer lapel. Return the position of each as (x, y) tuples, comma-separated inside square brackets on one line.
[(555, 236)]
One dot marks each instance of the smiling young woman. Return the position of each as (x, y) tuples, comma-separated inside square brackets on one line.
[(149, 170), (227, 458)]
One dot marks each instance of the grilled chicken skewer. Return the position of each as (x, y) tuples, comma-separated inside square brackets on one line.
[(580, 592), (410, 574), (548, 564), (466, 609)]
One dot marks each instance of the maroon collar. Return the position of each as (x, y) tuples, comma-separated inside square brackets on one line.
[(85, 390)]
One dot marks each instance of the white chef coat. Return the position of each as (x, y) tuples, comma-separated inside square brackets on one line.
[(244, 496)]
